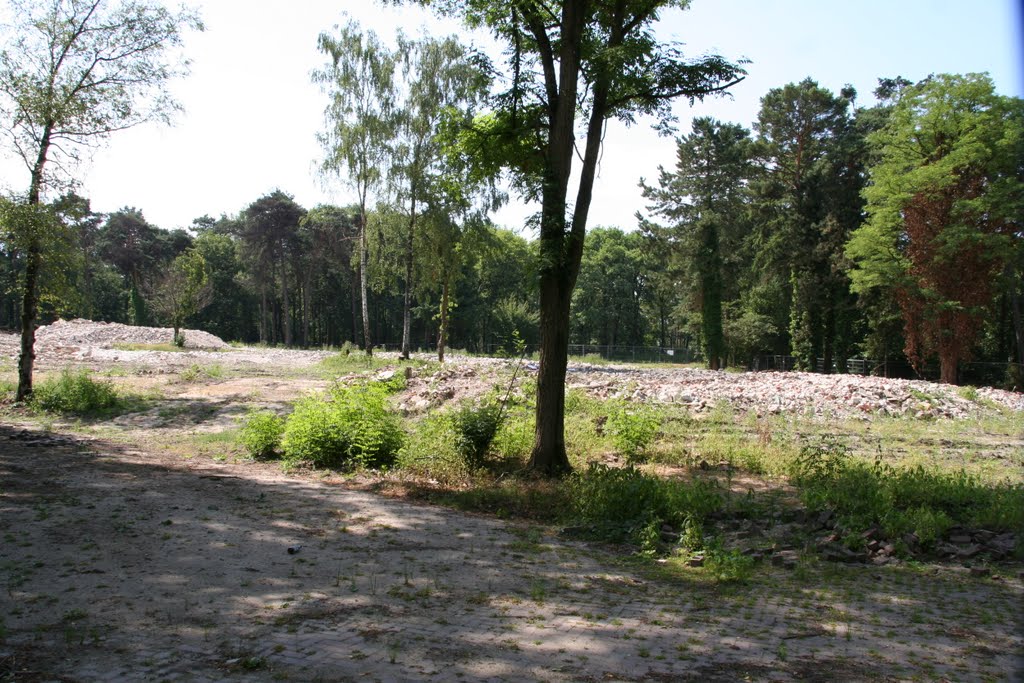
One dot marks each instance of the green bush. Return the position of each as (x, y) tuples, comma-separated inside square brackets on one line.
[(633, 429), (475, 428), (76, 393), (925, 501), (261, 435), (620, 501), (352, 427)]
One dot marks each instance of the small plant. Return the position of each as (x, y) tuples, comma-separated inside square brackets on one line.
[(179, 339), (968, 393), (633, 430), (76, 393), (261, 435), (475, 428), (728, 566)]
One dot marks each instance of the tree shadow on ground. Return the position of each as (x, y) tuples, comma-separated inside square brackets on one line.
[(116, 562)]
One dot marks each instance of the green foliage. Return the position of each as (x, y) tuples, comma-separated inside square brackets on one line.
[(352, 427), (475, 428), (75, 392), (633, 429), (899, 500), (618, 501), (728, 566), (262, 433)]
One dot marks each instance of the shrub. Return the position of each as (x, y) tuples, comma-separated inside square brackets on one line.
[(619, 501), (261, 435), (475, 428), (353, 427), (75, 392), (633, 430)]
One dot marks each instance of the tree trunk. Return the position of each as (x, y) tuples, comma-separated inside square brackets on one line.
[(29, 311), (1018, 321), (286, 314), (549, 457), (442, 333), (407, 302), (264, 313), (947, 364), (30, 296), (364, 264)]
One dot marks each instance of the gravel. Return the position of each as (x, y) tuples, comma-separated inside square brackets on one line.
[(64, 333)]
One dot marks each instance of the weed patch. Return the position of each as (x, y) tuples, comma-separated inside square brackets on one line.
[(76, 393)]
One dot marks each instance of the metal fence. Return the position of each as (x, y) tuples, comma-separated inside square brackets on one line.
[(1004, 375)]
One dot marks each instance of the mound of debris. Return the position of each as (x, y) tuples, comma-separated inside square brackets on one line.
[(78, 333), (769, 393)]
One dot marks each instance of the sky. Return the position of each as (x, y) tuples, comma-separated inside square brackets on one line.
[(251, 111)]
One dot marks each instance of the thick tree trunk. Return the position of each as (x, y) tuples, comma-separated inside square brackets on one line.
[(549, 457), (947, 364)]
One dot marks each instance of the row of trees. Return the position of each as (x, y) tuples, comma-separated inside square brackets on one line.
[(834, 230)]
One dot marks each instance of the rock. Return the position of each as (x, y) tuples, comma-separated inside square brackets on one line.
[(968, 551), (696, 561), (980, 571), (785, 558), (840, 553), (960, 539)]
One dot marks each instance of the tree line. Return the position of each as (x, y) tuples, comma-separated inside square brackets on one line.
[(826, 229), (754, 243), (773, 240)]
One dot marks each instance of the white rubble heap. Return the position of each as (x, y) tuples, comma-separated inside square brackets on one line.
[(78, 332), (768, 393), (463, 377)]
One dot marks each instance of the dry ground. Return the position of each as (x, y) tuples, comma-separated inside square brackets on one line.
[(134, 550)]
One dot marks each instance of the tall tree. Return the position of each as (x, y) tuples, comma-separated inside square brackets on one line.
[(441, 80), (807, 204), (572, 59), (944, 211), (360, 125), (704, 198), (270, 231), (71, 73)]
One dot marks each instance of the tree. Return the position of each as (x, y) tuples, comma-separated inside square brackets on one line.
[(270, 232), (133, 246), (705, 197), (441, 81), (610, 289), (807, 202), (594, 59), (182, 290), (71, 73), (359, 79), (944, 211)]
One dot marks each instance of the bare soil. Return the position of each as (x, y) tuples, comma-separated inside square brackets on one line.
[(139, 548)]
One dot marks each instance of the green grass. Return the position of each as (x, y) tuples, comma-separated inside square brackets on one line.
[(168, 346)]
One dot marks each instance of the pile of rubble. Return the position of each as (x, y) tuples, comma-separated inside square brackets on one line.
[(769, 393), (65, 334)]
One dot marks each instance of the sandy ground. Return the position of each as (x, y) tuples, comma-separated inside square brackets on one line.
[(120, 560)]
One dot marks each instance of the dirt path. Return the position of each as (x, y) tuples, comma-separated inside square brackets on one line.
[(119, 564)]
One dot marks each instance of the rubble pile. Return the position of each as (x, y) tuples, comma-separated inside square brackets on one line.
[(769, 393), (78, 333)]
